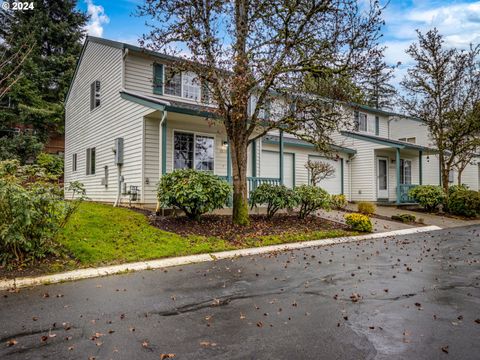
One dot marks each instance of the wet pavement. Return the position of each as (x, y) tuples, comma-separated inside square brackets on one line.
[(409, 297)]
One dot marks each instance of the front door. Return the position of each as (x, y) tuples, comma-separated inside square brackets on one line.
[(382, 178)]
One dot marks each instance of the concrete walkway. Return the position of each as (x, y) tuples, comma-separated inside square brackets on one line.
[(429, 219)]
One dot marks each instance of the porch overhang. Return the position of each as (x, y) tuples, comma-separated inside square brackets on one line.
[(274, 139), (171, 106), (396, 144)]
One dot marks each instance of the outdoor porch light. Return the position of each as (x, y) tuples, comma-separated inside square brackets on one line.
[(428, 158), (224, 145)]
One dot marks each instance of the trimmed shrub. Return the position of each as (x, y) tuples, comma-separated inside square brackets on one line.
[(194, 192), (428, 196), (455, 188), (338, 201), (311, 198), (405, 218), (464, 203), (32, 211), (276, 197), (366, 208), (359, 222)]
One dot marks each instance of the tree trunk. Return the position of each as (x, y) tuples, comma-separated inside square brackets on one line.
[(444, 171), (240, 191), (459, 177)]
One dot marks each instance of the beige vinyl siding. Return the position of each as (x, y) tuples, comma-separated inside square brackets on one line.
[(405, 128), (151, 159), (98, 128), (470, 176), (431, 170)]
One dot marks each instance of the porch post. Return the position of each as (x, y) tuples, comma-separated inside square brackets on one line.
[(420, 166), (254, 158), (341, 175), (280, 145), (229, 163), (397, 165), (164, 145)]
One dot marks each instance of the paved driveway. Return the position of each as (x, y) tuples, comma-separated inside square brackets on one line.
[(397, 298)]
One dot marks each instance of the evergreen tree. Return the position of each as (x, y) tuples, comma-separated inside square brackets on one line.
[(377, 90), (54, 32)]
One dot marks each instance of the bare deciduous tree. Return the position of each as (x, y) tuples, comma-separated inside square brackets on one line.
[(319, 170), (253, 56), (443, 89)]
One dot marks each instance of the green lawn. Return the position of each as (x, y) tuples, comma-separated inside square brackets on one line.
[(101, 234)]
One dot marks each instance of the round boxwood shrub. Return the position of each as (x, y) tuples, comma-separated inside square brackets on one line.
[(428, 196), (359, 222), (464, 203), (311, 198), (194, 192), (275, 197)]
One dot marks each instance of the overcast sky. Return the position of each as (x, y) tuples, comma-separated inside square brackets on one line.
[(458, 21)]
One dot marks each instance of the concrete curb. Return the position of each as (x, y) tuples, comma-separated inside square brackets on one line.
[(184, 260)]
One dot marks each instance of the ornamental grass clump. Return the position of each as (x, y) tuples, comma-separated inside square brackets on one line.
[(194, 192)]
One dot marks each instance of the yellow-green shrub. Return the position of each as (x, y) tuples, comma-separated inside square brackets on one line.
[(359, 222), (338, 201), (366, 208)]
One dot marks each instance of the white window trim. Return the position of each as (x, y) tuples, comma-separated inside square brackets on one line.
[(195, 134)]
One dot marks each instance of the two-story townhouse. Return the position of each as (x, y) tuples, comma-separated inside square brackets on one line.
[(130, 119), (415, 131)]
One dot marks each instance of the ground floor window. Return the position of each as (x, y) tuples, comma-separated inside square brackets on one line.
[(91, 161), (192, 151), (74, 162), (405, 171)]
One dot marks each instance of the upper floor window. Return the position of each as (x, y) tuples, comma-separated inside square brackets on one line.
[(411, 140), (95, 94), (451, 176), (169, 81), (365, 123), (173, 82), (190, 86)]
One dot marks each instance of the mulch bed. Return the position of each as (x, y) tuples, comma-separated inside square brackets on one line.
[(221, 226)]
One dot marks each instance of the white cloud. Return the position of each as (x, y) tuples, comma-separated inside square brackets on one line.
[(98, 18), (459, 23)]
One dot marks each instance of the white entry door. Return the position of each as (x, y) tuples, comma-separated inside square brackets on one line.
[(270, 166), (382, 178)]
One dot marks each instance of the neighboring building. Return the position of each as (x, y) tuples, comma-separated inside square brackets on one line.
[(121, 91)]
